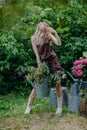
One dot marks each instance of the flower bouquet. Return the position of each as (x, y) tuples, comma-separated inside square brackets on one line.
[(38, 78), (80, 69), (80, 72), (42, 72), (37, 74)]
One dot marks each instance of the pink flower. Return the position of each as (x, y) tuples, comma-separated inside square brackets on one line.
[(80, 68), (81, 61), (74, 73), (77, 62), (84, 61), (78, 73)]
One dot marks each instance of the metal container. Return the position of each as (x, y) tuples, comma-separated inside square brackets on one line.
[(53, 96), (73, 103), (42, 88)]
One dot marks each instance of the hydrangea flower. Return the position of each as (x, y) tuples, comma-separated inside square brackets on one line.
[(80, 69)]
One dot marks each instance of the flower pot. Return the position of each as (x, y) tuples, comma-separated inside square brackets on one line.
[(53, 96), (42, 88), (83, 108)]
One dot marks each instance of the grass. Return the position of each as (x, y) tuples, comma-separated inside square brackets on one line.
[(42, 116), (14, 105)]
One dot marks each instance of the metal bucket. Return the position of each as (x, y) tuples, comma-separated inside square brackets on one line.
[(73, 103), (42, 88), (53, 96)]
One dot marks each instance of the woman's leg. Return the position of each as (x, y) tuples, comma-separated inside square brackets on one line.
[(30, 101), (59, 98)]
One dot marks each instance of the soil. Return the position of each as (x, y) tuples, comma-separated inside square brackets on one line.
[(44, 121)]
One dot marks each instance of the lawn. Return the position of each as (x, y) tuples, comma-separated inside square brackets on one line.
[(42, 116)]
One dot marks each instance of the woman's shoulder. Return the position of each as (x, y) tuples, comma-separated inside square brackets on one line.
[(32, 38)]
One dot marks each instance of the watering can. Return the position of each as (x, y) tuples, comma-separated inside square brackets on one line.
[(42, 88), (74, 98), (75, 87), (53, 96)]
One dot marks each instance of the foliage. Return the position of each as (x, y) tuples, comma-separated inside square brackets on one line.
[(14, 47), (83, 92), (72, 29), (56, 78), (38, 74), (42, 72), (17, 28), (30, 75)]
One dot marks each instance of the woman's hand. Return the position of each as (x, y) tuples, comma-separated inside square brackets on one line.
[(54, 36), (51, 30)]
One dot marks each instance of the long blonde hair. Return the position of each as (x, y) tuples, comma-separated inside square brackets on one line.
[(41, 33)]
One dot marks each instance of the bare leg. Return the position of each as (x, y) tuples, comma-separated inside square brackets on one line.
[(30, 101), (59, 98)]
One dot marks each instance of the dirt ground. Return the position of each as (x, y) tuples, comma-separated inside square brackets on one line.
[(44, 121)]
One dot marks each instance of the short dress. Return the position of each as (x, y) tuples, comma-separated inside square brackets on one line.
[(48, 55)]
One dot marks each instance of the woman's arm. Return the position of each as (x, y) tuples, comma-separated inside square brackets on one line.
[(54, 36), (36, 52)]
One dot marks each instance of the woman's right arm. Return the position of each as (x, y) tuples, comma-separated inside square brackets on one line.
[(35, 51), (54, 36)]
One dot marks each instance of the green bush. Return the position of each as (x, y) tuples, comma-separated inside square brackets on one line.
[(15, 57), (16, 54), (71, 25)]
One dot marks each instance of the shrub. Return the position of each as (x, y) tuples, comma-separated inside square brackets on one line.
[(16, 53)]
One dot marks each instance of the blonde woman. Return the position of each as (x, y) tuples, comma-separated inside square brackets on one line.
[(42, 41)]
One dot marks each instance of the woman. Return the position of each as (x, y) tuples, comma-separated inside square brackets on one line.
[(42, 42)]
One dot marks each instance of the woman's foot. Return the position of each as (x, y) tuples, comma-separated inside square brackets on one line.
[(28, 109)]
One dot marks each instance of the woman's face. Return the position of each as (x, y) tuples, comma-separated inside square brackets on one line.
[(43, 27), (47, 29)]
